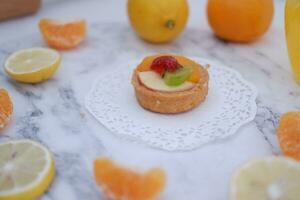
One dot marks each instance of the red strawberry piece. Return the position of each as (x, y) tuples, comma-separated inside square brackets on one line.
[(158, 69), (165, 63)]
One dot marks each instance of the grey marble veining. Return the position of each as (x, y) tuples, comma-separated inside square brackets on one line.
[(267, 121), (53, 112)]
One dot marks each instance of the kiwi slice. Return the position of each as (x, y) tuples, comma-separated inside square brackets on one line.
[(178, 77)]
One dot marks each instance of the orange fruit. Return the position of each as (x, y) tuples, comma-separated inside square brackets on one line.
[(122, 183), (63, 35), (240, 21), (145, 65), (6, 107), (288, 134)]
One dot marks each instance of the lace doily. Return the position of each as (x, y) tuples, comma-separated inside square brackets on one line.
[(229, 105)]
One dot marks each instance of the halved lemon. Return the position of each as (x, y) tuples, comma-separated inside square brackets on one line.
[(273, 178), (32, 65), (26, 170)]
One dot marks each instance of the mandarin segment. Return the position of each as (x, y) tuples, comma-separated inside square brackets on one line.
[(6, 107), (154, 182), (63, 35), (118, 182), (195, 75), (145, 65), (288, 134)]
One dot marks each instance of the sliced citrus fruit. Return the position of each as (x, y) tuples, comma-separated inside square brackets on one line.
[(6, 107), (63, 34), (26, 170), (120, 183), (273, 178), (288, 134), (32, 65)]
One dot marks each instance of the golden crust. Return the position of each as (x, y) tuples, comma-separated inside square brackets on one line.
[(171, 102)]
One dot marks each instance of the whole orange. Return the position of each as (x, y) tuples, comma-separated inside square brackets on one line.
[(240, 20)]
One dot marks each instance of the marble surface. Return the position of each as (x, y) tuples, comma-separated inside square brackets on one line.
[(53, 112)]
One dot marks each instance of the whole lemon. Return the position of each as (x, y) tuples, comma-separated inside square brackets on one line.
[(240, 20), (158, 21)]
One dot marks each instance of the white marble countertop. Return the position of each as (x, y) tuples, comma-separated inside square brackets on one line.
[(53, 112)]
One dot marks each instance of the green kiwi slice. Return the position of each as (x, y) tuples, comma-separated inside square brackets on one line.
[(178, 77)]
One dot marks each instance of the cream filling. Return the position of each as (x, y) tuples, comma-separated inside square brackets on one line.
[(153, 81)]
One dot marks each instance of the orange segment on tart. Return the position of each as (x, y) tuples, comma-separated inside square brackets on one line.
[(123, 183), (288, 134), (63, 35), (194, 77), (145, 65)]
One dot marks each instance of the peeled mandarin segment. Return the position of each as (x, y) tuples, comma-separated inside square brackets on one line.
[(195, 76), (5, 102), (6, 107), (145, 65), (63, 35), (125, 183), (3, 120), (288, 134), (155, 182)]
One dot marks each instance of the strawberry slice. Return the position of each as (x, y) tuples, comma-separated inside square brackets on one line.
[(158, 69), (165, 63)]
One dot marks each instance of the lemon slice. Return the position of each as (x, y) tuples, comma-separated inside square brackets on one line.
[(273, 178), (32, 65), (26, 170)]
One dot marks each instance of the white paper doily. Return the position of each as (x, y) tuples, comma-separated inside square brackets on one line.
[(229, 105)]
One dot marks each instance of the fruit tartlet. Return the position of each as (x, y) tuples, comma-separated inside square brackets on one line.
[(170, 83)]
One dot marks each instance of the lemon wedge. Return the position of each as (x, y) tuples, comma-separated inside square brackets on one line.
[(26, 170), (32, 65), (273, 178)]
